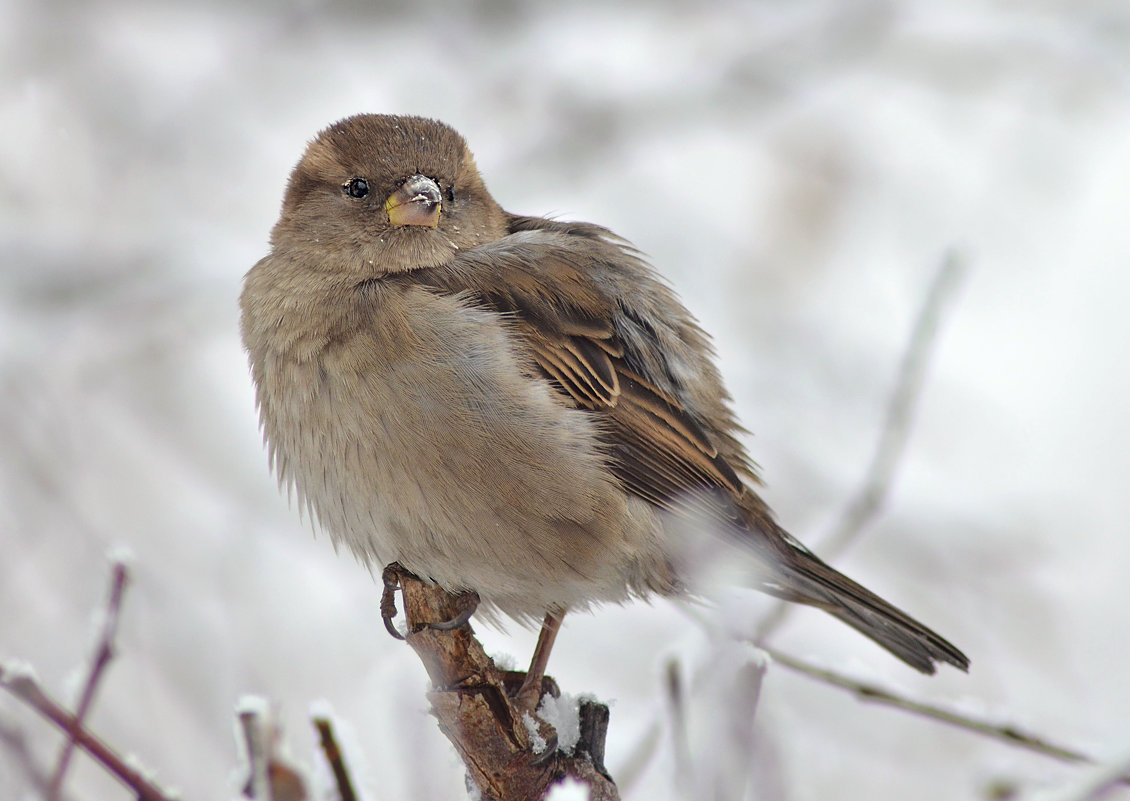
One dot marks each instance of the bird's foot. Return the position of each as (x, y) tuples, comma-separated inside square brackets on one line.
[(393, 574)]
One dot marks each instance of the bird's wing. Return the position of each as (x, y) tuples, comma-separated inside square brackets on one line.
[(575, 332)]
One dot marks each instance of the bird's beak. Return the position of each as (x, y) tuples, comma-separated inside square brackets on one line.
[(417, 202)]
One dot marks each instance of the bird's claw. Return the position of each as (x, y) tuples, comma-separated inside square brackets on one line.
[(391, 576), (469, 601)]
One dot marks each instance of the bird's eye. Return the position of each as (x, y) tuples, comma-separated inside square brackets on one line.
[(356, 187)]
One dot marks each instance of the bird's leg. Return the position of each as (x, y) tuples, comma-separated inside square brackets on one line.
[(529, 694)]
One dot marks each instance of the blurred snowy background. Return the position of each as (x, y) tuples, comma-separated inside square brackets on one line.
[(143, 155)]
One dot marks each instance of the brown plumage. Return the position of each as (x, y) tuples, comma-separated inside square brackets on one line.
[(505, 404)]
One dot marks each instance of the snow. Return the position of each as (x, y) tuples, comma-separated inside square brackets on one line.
[(537, 742), (321, 709), (13, 671), (121, 554), (563, 714), (253, 705), (505, 661), (568, 789)]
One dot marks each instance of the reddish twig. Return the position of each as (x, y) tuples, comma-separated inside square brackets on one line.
[(103, 654), (13, 740), (23, 685)]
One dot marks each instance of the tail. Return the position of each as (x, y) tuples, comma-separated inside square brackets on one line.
[(799, 575)]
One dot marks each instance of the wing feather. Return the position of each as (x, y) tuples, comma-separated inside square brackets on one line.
[(657, 447)]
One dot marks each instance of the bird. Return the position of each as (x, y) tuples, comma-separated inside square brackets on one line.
[(508, 406)]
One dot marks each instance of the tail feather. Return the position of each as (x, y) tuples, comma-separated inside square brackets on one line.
[(799, 575)]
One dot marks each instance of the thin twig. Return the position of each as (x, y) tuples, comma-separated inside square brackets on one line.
[(252, 724), (895, 431), (271, 776), (12, 738), (1094, 783), (735, 689), (1002, 732), (337, 761), (119, 577), (26, 688), (900, 409)]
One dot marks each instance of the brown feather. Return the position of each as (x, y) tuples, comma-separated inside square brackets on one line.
[(657, 448)]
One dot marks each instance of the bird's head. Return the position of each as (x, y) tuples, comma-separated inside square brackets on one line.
[(387, 194)]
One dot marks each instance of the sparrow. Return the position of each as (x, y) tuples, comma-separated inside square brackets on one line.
[(506, 405)]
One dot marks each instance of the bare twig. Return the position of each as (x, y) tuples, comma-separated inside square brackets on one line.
[(23, 686), (873, 693), (119, 577), (900, 409), (680, 736), (734, 748), (889, 450), (336, 760), (251, 723)]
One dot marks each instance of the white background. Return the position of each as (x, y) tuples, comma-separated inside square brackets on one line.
[(797, 170)]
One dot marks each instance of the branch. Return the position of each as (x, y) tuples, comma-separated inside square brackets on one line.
[(22, 684), (474, 710), (895, 431), (1002, 732), (104, 652)]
